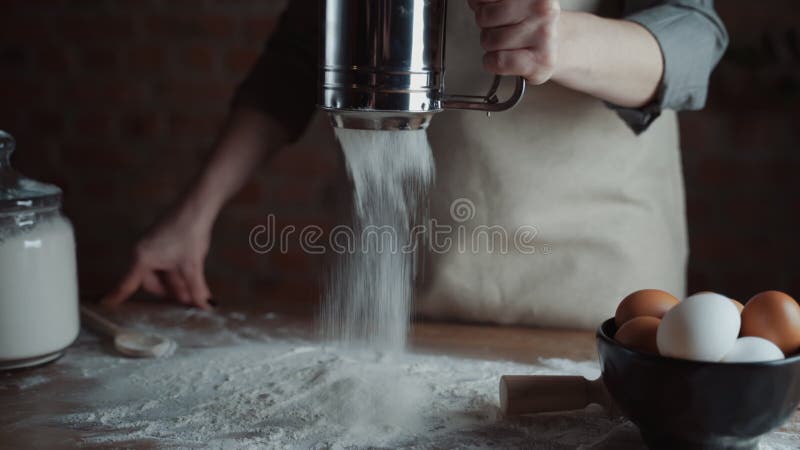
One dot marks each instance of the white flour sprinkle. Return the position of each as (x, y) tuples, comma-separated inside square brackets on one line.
[(299, 394), (233, 385)]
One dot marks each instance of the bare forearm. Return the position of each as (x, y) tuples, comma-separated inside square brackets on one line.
[(246, 139), (615, 60)]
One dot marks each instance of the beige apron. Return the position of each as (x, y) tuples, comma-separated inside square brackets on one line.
[(606, 206)]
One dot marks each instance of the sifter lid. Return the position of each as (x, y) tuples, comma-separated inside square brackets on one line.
[(17, 192)]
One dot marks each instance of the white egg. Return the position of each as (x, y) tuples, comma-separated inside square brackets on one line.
[(704, 327), (753, 349)]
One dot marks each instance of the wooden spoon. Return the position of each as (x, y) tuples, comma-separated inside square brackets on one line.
[(129, 342)]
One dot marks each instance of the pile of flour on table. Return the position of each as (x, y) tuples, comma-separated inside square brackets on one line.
[(251, 382)]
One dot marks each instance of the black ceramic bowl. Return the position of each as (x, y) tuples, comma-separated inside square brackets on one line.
[(680, 404)]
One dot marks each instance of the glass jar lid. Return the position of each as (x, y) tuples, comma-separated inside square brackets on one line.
[(17, 192)]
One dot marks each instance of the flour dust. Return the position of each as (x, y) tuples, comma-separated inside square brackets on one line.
[(369, 289), (256, 382)]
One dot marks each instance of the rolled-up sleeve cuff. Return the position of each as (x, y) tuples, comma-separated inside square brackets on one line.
[(639, 119), (692, 39)]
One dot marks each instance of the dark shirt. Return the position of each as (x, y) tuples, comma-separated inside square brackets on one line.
[(283, 82)]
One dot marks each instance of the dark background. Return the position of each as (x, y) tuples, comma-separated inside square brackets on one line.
[(118, 102)]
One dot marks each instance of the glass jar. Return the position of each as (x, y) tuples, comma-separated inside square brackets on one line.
[(38, 273)]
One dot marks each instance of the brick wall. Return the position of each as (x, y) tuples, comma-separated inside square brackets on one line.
[(116, 101)]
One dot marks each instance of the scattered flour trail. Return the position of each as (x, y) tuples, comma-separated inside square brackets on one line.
[(238, 385)]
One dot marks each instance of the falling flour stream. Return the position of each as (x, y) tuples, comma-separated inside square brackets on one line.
[(369, 289)]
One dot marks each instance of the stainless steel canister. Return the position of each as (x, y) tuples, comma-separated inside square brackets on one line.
[(382, 65)]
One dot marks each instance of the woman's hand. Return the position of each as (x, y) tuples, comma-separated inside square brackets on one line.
[(168, 262), (615, 60), (519, 36)]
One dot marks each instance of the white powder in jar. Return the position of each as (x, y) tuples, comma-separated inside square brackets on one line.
[(38, 290)]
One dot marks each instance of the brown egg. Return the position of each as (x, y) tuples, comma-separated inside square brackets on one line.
[(774, 316), (647, 302), (639, 334)]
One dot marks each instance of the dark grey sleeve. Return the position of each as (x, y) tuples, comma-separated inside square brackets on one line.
[(692, 40), (283, 82)]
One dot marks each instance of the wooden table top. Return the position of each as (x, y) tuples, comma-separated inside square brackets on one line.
[(518, 344)]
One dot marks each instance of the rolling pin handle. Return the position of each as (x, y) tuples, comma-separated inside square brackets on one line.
[(530, 394)]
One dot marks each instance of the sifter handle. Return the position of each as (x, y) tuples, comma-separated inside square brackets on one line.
[(486, 102), (530, 394)]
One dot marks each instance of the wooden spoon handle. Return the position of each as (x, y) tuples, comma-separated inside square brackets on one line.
[(529, 394), (99, 323)]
